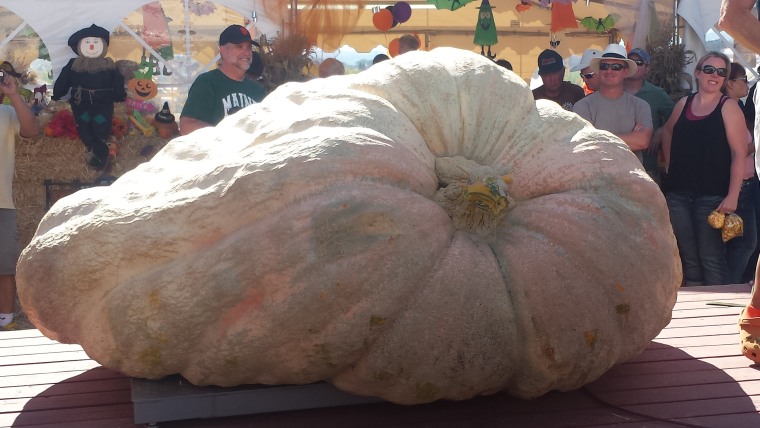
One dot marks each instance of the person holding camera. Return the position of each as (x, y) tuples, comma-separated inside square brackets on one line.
[(15, 119)]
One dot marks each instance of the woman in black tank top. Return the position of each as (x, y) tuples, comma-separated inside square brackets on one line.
[(704, 143)]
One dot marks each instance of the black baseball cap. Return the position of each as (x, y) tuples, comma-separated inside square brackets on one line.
[(236, 34), (549, 61)]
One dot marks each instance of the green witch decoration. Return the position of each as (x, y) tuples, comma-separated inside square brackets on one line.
[(485, 30)]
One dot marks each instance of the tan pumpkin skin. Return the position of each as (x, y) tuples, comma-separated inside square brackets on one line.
[(300, 240)]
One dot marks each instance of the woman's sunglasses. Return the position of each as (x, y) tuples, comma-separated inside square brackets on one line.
[(587, 75), (743, 79), (614, 67), (709, 69)]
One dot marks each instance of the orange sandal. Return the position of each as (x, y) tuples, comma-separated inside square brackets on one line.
[(749, 329)]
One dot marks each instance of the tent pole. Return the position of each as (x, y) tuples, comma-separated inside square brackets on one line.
[(676, 22), (294, 16)]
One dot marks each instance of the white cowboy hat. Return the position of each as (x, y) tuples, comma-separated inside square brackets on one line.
[(615, 51), (586, 59)]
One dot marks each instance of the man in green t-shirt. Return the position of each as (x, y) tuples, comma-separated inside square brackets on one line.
[(659, 102), (218, 93)]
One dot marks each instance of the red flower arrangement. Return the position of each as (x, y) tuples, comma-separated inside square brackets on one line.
[(62, 125)]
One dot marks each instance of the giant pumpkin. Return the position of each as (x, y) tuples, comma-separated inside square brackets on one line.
[(418, 231)]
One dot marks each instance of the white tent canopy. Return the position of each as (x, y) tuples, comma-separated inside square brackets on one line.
[(701, 16), (54, 20)]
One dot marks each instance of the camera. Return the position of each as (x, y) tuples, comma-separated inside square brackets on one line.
[(2, 76)]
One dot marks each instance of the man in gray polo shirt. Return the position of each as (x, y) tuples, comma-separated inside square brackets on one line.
[(611, 108)]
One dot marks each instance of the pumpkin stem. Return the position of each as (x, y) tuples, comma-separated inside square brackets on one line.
[(473, 195)]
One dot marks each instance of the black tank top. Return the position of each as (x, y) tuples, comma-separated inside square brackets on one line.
[(700, 157)]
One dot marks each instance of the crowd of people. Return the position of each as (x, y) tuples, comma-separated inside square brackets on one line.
[(700, 149), (705, 140)]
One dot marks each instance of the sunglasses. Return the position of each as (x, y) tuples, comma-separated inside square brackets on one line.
[(709, 69), (615, 67), (587, 75), (638, 62), (743, 79)]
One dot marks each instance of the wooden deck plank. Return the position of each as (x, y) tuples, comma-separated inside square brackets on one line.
[(688, 294), (50, 367), (714, 320), (664, 380), (71, 416), (65, 401), (698, 331), (123, 422), (38, 349), (710, 340), (748, 419), (708, 407), (26, 341), (58, 377), (691, 372), (48, 357), (690, 391), (674, 366), (65, 388), (686, 352), (708, 311)]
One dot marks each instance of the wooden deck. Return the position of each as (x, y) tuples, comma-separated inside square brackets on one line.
[(691, 375)]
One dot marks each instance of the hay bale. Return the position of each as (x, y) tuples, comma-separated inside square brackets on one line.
[(64, 160)]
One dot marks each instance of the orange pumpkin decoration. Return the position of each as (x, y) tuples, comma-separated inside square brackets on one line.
[(165, 123), (142, 89)]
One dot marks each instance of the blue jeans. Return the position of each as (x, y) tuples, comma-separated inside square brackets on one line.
[(703, 253), (740, 248)]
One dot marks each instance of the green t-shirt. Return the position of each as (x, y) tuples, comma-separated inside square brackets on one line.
[(659, 101), (213, 96)]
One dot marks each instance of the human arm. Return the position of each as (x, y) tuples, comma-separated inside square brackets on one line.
[(667, 131), (189, 124), (638, 138), (736, 133), (62, 82), (737, 20), (641, 134), (27, 120)]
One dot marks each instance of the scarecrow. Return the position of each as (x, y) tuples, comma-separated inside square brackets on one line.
[(95, 86)]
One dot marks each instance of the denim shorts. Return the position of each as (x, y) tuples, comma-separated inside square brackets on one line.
[(9, 250)]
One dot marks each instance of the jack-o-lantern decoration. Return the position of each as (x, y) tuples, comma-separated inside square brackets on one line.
[(142, 87)]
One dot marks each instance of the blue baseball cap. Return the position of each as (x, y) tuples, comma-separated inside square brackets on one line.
[(641, 53)]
